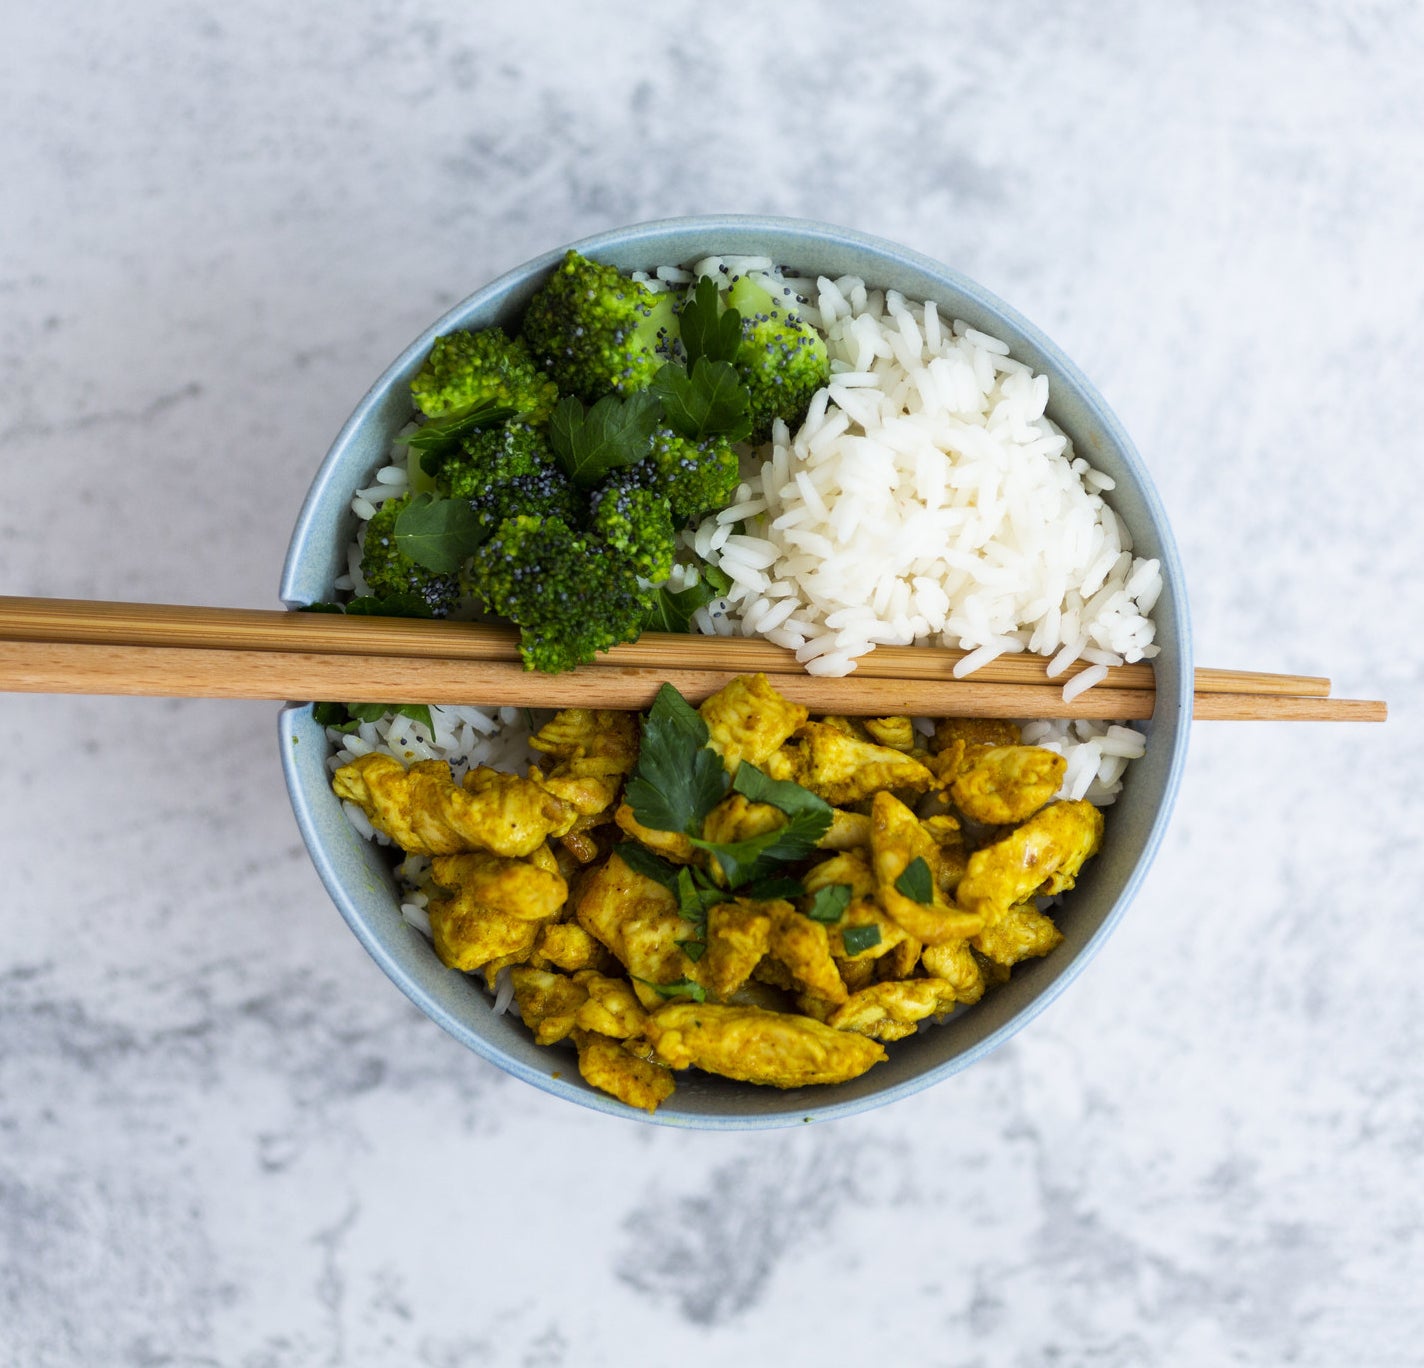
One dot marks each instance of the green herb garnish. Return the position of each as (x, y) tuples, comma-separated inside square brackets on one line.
[(916, 883), (706, 328), (440, 534), (708, 401), (436, 436), (679, 988), (678, 780), (672, 610), (858, 938), (614, 432), (829, 904), (346, 717)]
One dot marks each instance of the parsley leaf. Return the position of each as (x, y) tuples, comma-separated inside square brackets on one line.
[(718, 578), (694, 950), (346, 717), (696, 897), (706, 329), (333, 715), (678, 780), (777, 886), (828, 904), (440, 534), (711, 401), (858, 938), (373, 712), (642, 861), (757, 857), (614, 432), (791, 798), (395, 605), (681, 988), (436, 436), (672, 610), (916, 883)]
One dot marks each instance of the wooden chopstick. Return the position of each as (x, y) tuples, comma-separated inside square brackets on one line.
[(162, 624), (32, 666)]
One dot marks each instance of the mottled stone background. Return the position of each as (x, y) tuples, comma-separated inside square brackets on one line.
[(225, 1139)]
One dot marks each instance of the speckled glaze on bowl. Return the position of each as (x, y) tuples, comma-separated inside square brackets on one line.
[(356, 873)]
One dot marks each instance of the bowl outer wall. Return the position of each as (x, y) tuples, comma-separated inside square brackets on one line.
[(355, 872)]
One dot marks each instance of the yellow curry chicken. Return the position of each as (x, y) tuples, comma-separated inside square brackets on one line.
[(774, 904)]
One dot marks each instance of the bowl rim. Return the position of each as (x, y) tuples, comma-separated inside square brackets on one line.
[(1175, 706)]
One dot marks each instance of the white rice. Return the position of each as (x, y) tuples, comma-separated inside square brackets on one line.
[(926, 498)]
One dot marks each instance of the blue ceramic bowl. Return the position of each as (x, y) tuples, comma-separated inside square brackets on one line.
[(357, 875)]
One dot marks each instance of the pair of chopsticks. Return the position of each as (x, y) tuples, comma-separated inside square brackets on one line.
[(170, 651)]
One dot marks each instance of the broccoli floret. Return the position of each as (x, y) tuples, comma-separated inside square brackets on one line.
[(545, 492), (694, 477), (389, 572), (636, 521), (570, 594), (782, 359), (468, 368), (492, 457), (597, 332)]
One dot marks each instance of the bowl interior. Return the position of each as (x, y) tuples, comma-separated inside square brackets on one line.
[(358, 877)]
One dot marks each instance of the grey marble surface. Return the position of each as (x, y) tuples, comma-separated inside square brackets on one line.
[(225, 1139)]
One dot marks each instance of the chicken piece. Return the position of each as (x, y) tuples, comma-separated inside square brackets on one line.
[(746, 1043), (974, 731), (638, 920), (569, 947), (842, 770), (594, 751), (847, 831), (589, 742), (772, 973), (1043, 856), (899, 962), (817, 1008), (671, 845), (1008, 784), (1023, 932), (748, 720), (736, 819), (606, 1065), (891, 1011), (896, 840), (851, 726), (738, 935), (579, 844), (423, 811), (955, 963), (856, 973), (612, 1008), (896, 732), (954, 851), (492, 908), (850, 867), (803, 946), (548, 1003)]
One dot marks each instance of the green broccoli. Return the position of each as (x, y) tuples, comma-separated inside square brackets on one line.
[(389, 572), (491, 457), (782, 359), (571, 595), (540, 493), (468, 368), (694, 477), (636, 521), (597, 332)]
